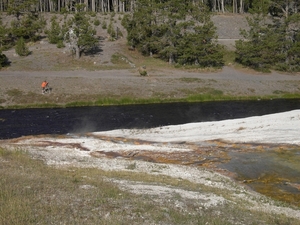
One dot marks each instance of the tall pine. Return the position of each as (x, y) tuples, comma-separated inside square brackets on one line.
[(176, 31), (272, 42), (80, 33)]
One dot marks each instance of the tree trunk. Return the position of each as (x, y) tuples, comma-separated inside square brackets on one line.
[(222, 6), (234, 6), (115, 5), (93, 6), (241, 6), (86, 2), (77, 52), (132, 6), (214, 7), (41, 6), (171, 58), (58, 5)]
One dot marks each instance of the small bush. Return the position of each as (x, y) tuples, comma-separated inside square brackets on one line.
[(21, 48), (104, 25), (111, 31), (63, 10), (93, 14), (97, 22), (60, 44), (142, 71), (3, 60)]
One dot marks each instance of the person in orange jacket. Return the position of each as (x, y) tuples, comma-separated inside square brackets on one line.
[(44, 86)]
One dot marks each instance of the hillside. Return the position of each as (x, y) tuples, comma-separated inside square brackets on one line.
[(112, 72)]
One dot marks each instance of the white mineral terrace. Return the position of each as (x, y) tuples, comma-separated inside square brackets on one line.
[(274, 128)]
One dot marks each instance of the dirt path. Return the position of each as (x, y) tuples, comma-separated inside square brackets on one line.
[(19, 87)]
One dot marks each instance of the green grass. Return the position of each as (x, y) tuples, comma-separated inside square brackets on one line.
[(15, 93), (290, 95), (191, 80), (33, 193), (229, 57), (119, 59), (207, 95)]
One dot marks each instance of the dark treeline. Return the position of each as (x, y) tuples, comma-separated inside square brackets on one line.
[(177, 31), (233, 6)]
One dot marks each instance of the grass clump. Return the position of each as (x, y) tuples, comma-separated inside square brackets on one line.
[(14, 92), (119, 59), (191, 80)]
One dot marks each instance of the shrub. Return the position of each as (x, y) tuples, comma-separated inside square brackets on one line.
[(97, 22), (93, 14), (21, 48), (54, 33), (60, 44), (104, 25), (143, 71), (111, 31), (3, 60)]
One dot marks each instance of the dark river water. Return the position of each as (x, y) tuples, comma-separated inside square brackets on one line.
[(22, 122)]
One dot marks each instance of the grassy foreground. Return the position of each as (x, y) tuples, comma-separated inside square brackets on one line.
[(34, 193)]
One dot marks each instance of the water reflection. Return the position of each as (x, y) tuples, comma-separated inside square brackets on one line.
[(274, 173)]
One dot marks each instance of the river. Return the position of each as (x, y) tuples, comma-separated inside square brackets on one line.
[(22, 122)]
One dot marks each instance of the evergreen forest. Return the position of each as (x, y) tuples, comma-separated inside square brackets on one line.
[(180, 32)]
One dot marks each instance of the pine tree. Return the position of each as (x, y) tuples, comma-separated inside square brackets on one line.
[(172, 30), (54, 33), (259, 48), (270, 45), (80, 33), (21, 48), (198, 48), (5, 41), (292, 24), (29, 26)]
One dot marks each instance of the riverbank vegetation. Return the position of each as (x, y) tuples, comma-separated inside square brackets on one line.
[(211, 95)]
